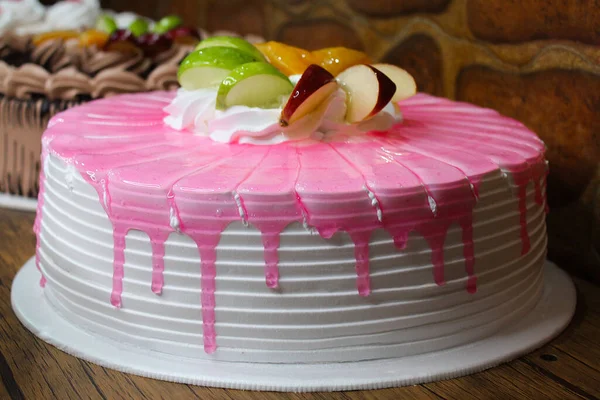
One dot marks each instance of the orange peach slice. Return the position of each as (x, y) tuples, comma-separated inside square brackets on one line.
[(93, 37), (44, 37), (288, 59), (337, 59)]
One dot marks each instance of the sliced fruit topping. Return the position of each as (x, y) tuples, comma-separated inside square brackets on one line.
[(255, 84), (154, 43), (337, 59), (167, 23), (405, 83), (368, 91), (288, 59), (315, 86), (93, 37), (208, 67), (54, 35), (139, 27), (184, 35), (122, 41), (233, 42), (107, 24)]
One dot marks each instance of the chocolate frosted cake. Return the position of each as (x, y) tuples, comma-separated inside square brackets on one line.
[(36, 82), (49, 64)]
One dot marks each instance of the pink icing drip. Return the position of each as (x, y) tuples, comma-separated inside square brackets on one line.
[(435, 235), (400, 238), (118, 265), (207, 245), (158, 262), (37, 264), (466, 223), (270, 205), (271, 244), (174, 208), (422, 177)]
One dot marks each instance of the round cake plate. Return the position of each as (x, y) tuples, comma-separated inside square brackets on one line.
[(550, 316), (17, 202)]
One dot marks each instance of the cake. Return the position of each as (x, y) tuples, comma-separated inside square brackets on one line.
[(356, 220), (53, 58)]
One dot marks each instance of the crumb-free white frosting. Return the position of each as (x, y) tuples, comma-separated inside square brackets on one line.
[(423, 238), (195, 111), (316, 315)]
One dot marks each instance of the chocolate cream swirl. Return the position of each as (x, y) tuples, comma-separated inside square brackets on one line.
[(115, 81), (55, 55), (96, 61), (68, 84), (25, 81), (164, 76)]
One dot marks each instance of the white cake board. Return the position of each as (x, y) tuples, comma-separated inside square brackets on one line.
[(17, 202), (551, 315)]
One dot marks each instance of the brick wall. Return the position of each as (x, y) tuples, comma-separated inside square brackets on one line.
[(534, 60)]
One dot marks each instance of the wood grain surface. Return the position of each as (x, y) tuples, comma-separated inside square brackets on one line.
[(567, 368)]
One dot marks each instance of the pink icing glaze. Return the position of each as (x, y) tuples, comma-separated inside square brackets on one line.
[(422, 176)]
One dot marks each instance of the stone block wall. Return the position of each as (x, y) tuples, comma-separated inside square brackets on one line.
[(535, 60)]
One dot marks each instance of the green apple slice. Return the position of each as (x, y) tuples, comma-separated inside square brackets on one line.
[(138, 27), (167, 23), (107, 24), (255, 84), (232, 41), (206, 68)]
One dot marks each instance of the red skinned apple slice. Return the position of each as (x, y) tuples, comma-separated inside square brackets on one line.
[(315, 86), (368, 91), (405, 83)]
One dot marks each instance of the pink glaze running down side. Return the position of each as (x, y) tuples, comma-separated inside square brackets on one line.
[(423, 176)]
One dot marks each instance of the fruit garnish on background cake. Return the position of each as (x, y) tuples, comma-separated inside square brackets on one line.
[(139, 35), (150, 38), (234, 91)]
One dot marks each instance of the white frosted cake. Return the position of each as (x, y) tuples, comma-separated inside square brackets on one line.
[(195, 225)]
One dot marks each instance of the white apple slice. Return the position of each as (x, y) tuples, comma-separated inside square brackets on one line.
[(368, 89), (314, 87), (405, 83)]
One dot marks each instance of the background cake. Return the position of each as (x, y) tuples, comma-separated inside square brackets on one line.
[(52, 58)]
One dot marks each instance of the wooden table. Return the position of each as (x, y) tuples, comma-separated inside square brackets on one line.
[(567, 368)]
